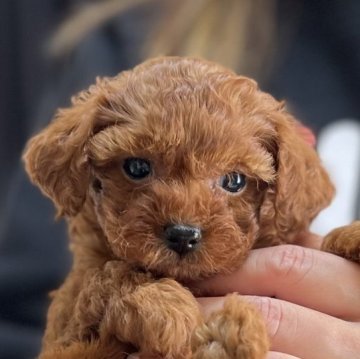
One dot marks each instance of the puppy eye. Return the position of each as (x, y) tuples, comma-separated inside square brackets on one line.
[(137, 168), (233, 182)]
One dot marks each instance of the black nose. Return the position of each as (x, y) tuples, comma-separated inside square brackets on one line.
[(181, 238)]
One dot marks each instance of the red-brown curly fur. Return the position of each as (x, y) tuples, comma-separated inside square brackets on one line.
[(195, 121)]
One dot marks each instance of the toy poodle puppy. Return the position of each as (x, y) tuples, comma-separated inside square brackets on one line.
[(169, 173)]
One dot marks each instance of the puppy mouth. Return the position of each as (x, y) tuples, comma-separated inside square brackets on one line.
[(178, 257), (183, 256)]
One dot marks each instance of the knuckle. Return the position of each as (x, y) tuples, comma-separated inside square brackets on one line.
[(272, 312), (290, 261)]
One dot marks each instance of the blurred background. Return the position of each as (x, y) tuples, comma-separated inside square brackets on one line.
[(304, 51)]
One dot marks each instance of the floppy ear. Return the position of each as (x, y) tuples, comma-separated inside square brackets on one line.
[(302, 186), (55, 159)]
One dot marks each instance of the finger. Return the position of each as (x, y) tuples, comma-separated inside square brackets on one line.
[(277, 355), (298, 331), (304, 276), (306, 333)]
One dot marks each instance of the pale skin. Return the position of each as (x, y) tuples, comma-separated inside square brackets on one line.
[(310, 300)]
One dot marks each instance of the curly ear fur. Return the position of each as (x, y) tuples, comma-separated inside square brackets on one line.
[(302, 186), (55, 159)]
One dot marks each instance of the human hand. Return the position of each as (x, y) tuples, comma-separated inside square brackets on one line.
[(310, 300)]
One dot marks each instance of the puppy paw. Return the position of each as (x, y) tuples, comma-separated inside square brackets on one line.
[(344, 242), (235, 332), (162, 315)]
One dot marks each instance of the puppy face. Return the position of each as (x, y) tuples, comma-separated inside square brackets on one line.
[(185, 166)]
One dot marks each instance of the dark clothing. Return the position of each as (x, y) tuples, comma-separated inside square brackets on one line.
[(318, 73)]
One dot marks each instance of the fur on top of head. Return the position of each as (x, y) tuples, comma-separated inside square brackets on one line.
[(197, 127)]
